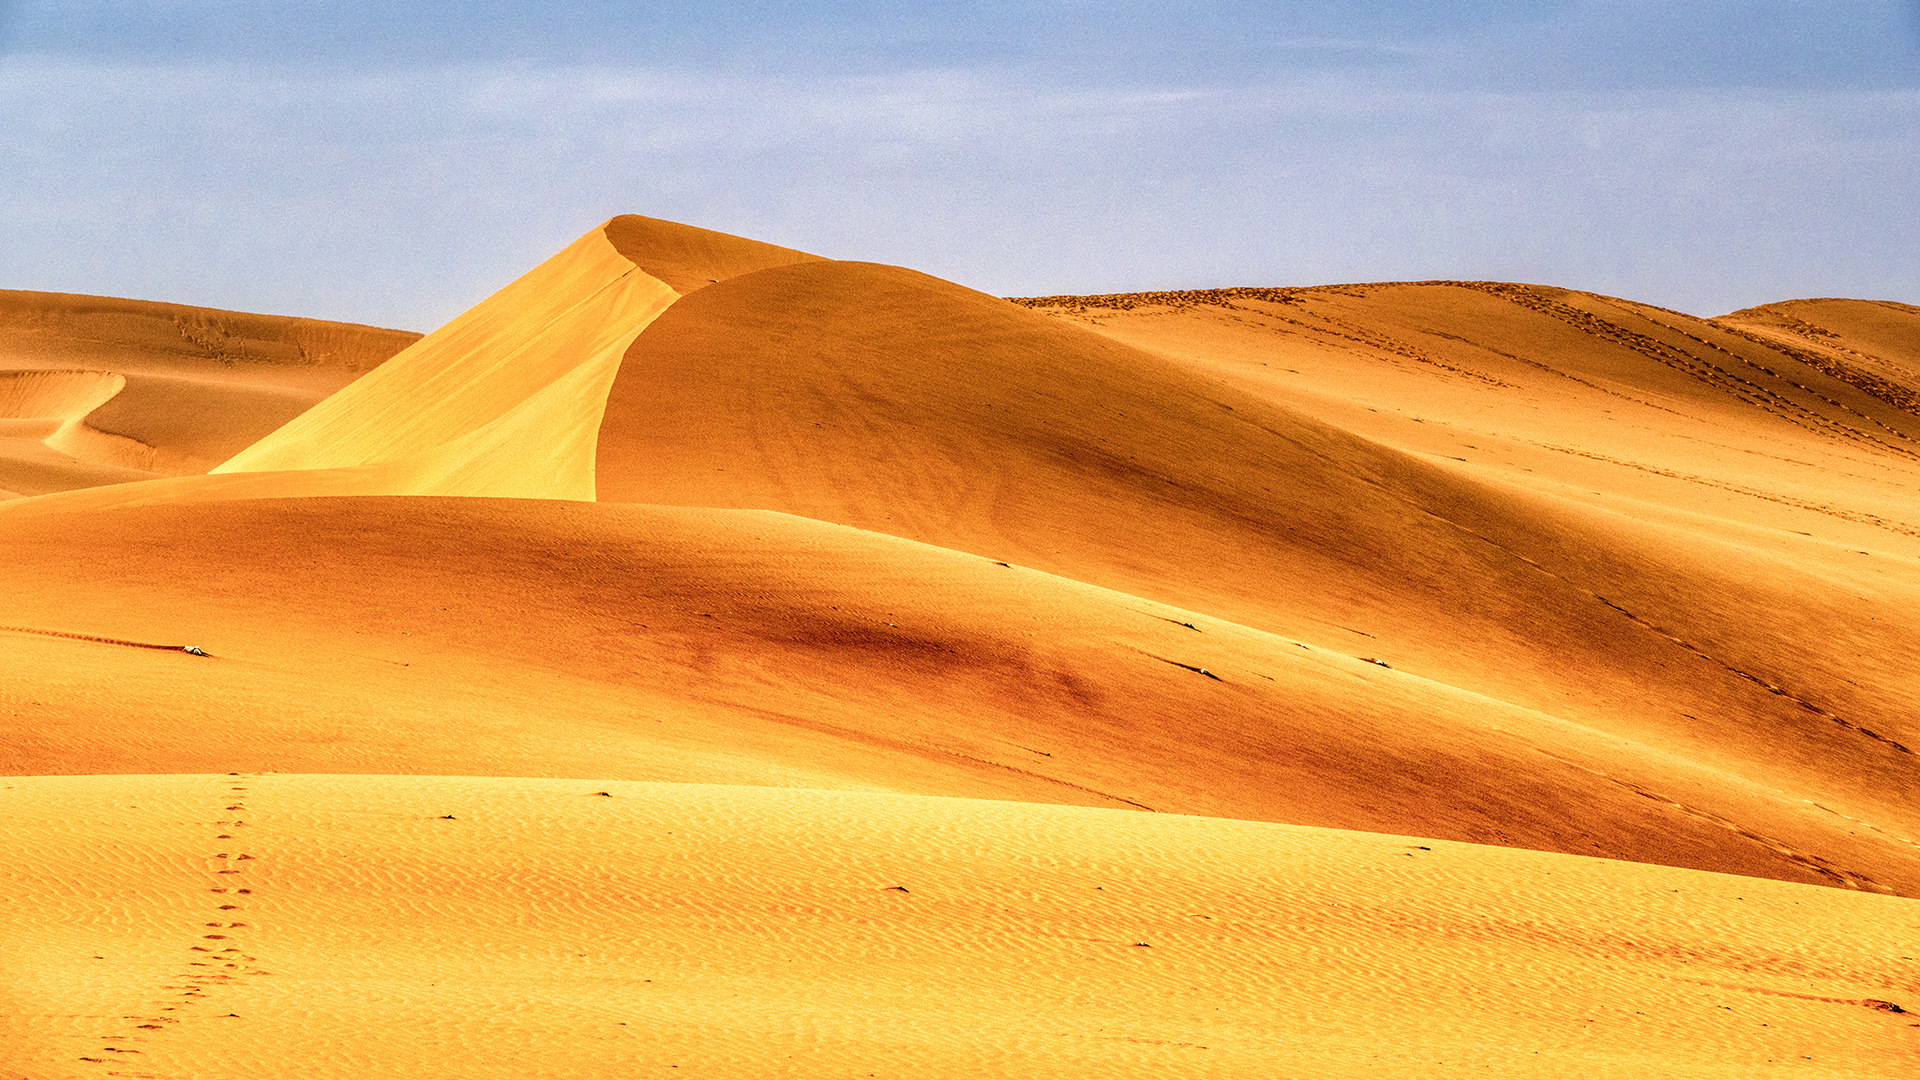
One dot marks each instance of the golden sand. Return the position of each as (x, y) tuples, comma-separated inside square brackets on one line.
[(702, 658)]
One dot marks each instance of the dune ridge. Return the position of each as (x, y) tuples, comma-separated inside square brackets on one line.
[(72, 330), (505, 400), (499, 401)]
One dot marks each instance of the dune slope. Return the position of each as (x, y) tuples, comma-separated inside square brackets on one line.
[(1872, 345), (190, 387), (500, 401), (506, 399), (564, 639), (883, 399)]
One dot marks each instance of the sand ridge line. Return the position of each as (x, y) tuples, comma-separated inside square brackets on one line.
[(1730, 668), (1179, 298), (1812, 863), (1332, 328), (1758, 681), (1698, 367), (194, 650)]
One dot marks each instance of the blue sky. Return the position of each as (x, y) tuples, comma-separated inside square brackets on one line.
[(395, 163)]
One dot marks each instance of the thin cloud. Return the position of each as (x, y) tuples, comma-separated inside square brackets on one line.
[(400, 195)]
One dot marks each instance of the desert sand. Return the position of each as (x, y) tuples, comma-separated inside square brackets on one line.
[(705, 658)]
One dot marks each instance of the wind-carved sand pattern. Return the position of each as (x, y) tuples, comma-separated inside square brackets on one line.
[(218, 963), (704, 658), (754, 932), (171, 929)]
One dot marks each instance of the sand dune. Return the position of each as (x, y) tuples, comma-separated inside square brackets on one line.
[(557, 639), (834, 575), (156, 389), (506, 399), (55, 330), (1873, 345), (1164, 476)]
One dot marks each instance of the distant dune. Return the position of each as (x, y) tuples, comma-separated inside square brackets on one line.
[(156, 389), (705, 654)]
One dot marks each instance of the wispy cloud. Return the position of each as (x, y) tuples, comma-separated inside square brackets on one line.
[(400, 195)]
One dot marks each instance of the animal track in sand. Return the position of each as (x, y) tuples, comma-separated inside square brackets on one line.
[(221, 965), (193, 650)]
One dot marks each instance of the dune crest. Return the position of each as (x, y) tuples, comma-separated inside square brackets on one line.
[(689, 258), (506, 400), (503, 400)]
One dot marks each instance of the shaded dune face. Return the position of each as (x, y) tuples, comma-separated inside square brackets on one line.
[(536, 637), (883, 399), (687, 258)]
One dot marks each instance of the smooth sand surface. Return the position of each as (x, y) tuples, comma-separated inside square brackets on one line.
[(838, 577)]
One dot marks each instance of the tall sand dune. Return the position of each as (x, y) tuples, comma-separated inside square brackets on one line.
[(886, 400), (831, 670), (506, 399)]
